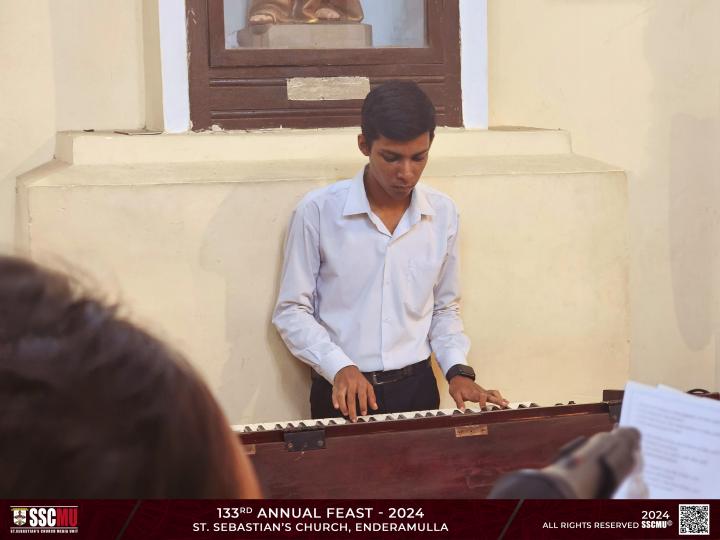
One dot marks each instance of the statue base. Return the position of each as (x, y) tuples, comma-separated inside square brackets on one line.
[(306, 36)]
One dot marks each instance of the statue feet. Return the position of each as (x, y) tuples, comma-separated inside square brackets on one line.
[(327, 14), (262, 18)]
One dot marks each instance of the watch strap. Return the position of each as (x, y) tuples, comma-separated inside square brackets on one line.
[(462, 370)]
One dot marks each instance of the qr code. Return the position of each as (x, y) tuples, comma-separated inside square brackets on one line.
[(694, 519)]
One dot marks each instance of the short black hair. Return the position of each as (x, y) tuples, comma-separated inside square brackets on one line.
[(93, 406), (397, 110)]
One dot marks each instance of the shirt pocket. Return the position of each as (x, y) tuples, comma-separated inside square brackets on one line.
[(422, 276)]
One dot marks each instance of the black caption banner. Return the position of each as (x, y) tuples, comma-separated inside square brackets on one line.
[(377, 519)]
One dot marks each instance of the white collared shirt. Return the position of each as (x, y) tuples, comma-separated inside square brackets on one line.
[(353, 293)]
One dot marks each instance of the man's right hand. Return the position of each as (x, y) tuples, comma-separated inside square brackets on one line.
[(349, 386)]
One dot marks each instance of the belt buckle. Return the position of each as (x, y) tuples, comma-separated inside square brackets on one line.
[(377, 382)]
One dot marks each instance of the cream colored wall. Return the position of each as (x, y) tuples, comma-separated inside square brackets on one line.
[(27, 99), (98, 61), (152, 65), (66, 65), (637, 83), (188, 231)]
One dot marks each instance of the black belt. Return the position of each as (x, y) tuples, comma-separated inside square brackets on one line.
[(393, 375)]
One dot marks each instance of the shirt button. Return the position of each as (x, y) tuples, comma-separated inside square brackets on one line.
[(386, 319)]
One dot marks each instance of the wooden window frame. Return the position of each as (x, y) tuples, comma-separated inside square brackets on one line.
[(246, 88)]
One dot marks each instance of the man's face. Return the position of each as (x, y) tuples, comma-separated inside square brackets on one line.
[(396, 166)]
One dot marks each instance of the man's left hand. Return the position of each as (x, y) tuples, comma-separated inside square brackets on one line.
[(464, 389)]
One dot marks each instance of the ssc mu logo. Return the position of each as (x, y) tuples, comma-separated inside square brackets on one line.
[(44, 519), (19, 516)]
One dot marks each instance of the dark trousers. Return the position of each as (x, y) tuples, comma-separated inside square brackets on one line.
[(416, 392)]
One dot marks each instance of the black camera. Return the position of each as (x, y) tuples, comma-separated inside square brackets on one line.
[(585, 469)]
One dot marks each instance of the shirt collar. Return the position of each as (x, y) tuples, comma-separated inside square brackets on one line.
[(357, 201), (419, 202)]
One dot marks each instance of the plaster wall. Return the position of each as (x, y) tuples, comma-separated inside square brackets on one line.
[(637, 84), (70, 64), (194, 250), (98, 64), (27, 100)]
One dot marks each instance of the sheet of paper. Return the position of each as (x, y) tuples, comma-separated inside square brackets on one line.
[(680, 441)]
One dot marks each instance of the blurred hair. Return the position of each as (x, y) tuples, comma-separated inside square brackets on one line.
[(92, 406), (397, 110)]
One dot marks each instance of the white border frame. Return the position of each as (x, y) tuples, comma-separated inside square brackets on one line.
[(474, 63), (174, 61)]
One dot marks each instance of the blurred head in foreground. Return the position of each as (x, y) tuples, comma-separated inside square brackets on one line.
[(91, 406)]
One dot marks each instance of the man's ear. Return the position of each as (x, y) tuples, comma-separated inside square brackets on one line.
[(362, 145)]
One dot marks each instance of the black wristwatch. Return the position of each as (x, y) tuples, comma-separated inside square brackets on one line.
[(460, 369)]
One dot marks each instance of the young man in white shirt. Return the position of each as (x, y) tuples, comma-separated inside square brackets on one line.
[(370, 280)]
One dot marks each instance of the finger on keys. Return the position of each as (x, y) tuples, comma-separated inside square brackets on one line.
[(459, 401), (493, 396), (362, 396), (351, 403), (371, 398), (339, 401)]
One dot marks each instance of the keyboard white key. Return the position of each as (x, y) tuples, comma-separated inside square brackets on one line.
[(324, 422)]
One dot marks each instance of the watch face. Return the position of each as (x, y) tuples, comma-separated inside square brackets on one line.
[(467, 371), (461, 369)]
